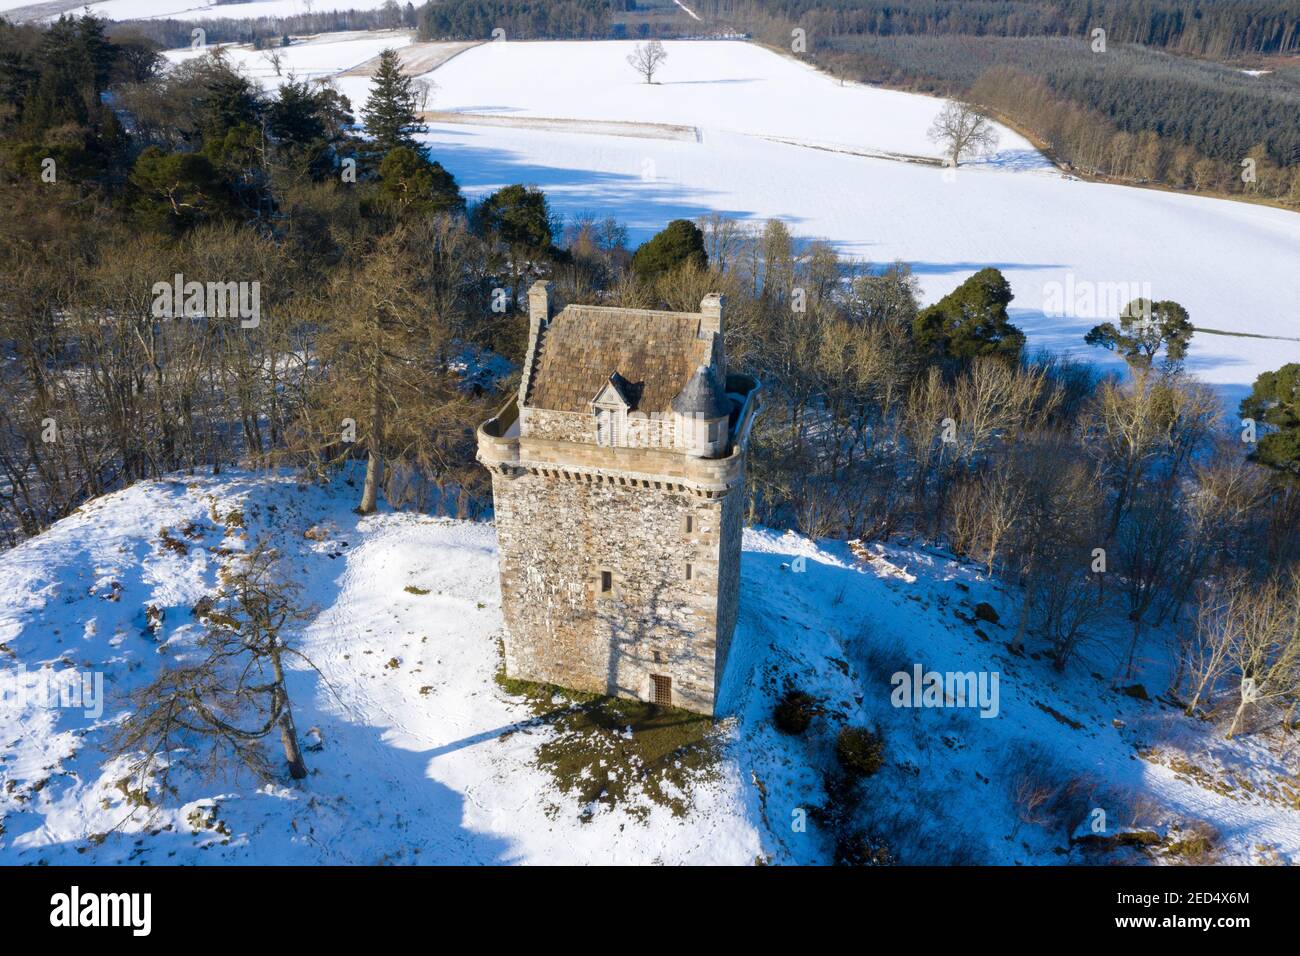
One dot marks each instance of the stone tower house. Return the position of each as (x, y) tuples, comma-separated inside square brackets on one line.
[(618, 476)]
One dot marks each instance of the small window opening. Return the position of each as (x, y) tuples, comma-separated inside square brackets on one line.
[(606, 582), (689, 571), (690, 524)]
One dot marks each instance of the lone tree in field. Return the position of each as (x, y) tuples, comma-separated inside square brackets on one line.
[(1145, 329), (233, 695), (391, 112), (646, 58), (963, 132)]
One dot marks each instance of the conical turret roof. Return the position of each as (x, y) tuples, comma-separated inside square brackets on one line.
[(702, 396)]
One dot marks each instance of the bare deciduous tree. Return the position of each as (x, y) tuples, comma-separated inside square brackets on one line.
[(963, 131), (646, 58), (235, 694), (1206, 650), (1249, 631), (423, 91)]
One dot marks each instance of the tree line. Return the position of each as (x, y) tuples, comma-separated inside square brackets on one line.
[(264, 31), (1211, 28), (522, 19)]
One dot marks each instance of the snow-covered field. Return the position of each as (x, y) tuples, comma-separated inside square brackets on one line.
[(315, 57), (418, 756), (773, 138), (719, 86)]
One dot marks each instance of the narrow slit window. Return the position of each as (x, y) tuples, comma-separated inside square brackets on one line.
[(689, 571), (690, 524), (606, 582)]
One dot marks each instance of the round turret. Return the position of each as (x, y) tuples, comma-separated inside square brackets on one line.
[(701, 411)]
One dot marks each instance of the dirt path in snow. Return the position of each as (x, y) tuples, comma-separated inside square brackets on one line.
[(416, 59)]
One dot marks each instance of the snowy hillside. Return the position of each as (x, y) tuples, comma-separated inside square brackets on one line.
[(736, 129), (716, 85), (418, 754), (309, 58)]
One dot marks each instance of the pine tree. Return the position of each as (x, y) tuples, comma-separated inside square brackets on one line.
[(413, 183), (389, 113), (1275, 401), (970, 321), (678, 242)]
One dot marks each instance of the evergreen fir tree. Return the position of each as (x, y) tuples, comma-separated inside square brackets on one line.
[(678, 242), (1145, 328), (1275, 401), (413, 183), (970, 321), (389, 113)]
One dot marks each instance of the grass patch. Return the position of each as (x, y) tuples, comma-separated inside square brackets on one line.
[(412, 589), (1058, 716), (1196, 844), (171, 544), (612, 751)]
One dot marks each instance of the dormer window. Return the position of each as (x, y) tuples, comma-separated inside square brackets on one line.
[(610, 406)]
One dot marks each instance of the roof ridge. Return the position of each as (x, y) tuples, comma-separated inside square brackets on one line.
[(610, 309)]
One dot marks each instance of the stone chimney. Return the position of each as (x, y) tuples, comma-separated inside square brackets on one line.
[(711, 309), (712, 322), (539, 316), (539, 304)]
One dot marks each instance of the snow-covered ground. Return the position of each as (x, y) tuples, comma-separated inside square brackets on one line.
[(308, 58), (420, 756), (773, 138), (719, 86)]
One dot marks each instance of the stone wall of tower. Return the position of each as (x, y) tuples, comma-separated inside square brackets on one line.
[(557, 535), (729, 540)]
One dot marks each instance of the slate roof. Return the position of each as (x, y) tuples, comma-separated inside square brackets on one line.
[(703, 396), (655, 353)]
